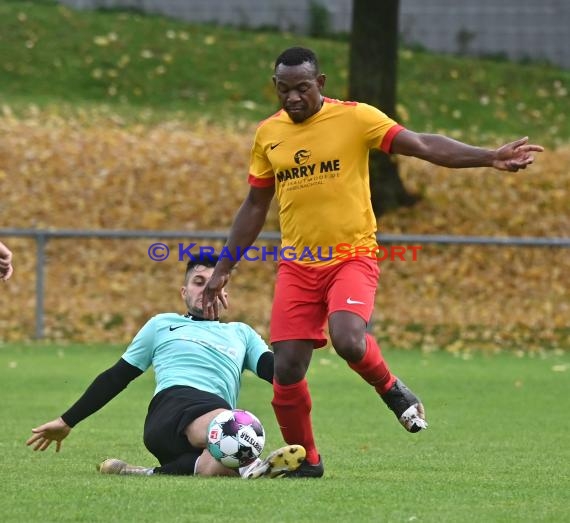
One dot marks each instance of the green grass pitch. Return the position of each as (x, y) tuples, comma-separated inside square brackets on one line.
[(496, 449)]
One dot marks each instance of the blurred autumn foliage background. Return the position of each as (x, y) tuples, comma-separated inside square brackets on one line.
[(95, 165)]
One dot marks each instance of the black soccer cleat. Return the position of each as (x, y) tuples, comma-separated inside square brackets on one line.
[(306, 470), (406, 406)]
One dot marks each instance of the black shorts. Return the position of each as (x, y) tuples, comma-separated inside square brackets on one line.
[(169, 413)]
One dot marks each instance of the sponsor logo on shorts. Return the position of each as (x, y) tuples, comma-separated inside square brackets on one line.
[(350, 301)]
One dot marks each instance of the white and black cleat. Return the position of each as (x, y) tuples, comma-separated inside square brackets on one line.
[(406, 406)]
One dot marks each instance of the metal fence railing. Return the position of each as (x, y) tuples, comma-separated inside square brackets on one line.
[(42, 236)]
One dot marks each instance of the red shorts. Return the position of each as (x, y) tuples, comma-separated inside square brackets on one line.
[(306, 296)]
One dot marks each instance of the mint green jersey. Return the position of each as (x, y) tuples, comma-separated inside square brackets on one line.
[(206, 355)]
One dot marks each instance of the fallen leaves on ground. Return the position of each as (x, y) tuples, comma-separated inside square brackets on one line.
[(89, 171)]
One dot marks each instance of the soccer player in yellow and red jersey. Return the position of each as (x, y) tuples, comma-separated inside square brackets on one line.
[(313, 154)]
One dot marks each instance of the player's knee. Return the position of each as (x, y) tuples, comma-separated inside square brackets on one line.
[(289, 372), (208, 466), (349, 344), (291, 364)]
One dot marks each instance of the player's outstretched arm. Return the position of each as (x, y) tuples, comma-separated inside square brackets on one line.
[(447, 152), (55, 430), (246, 227), (102, 390)]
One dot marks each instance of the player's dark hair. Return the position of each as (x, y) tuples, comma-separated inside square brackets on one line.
[(298, 56), (204, 259)]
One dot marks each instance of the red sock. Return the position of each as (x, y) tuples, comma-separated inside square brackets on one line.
[(292, 405), (373, 368)]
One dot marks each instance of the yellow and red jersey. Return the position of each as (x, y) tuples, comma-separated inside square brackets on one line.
[(320, 169)]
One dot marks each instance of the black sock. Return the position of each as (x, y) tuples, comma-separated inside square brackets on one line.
[(181, 466)]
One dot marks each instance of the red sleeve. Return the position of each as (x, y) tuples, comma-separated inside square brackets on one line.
[(260, 182), (386, 144)]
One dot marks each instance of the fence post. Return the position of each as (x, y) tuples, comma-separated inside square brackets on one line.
[(40, 264)]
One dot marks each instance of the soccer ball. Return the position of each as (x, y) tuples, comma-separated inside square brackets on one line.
[(235, 438)]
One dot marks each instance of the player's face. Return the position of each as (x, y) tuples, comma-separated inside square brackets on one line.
[(192, 291), (299, 90)]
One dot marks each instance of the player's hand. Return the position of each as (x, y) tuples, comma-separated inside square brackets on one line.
[(214, 294), (56, 430), (515, 155), (5, 273), (6, 268)]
